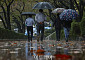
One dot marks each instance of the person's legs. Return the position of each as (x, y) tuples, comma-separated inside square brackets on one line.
[(28, 33), (66, 31), (38, 31), (59, 31), (66, 34), (31, 29), (57, 35), (42, 32)]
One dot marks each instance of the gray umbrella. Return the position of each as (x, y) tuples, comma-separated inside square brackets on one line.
[(28, 13), (43, 5)]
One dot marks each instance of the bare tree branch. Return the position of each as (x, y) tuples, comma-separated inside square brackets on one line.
[(11, 2), (54, 2), (64, 4), (4, 13), (5, 2), (1, 3), (76, 4), (3, 22), (23, 6)]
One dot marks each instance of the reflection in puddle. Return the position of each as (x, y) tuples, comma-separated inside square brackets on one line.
[(1, 46), (4, 49), (17, 48), (26, 51), (49, 50), (13, 52)]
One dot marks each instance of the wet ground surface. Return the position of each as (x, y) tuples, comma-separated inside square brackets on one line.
[(24, 50)]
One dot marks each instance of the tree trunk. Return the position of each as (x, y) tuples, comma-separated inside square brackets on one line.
[(8, 17), (5, 15), (19, 28), (23, 27)]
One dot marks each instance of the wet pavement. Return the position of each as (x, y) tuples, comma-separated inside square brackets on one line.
[(24, 50)]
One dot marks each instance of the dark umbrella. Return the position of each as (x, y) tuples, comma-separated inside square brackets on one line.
[(28, 13), (68, 14), (43, 5)]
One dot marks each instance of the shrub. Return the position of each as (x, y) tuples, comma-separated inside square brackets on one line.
[(62, 36), (75, 29), (82, 25), (7, 34), (48, 32)]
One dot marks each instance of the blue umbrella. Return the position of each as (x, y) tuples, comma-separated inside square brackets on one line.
[(68, 14)]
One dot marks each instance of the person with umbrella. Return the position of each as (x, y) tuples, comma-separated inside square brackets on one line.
[(29, 23), (66, 17), (40, 18), (57, 24)]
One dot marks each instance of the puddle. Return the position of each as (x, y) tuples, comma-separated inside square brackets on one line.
[(48, 50)]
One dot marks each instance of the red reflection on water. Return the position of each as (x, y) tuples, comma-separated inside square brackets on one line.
[(62, 57)]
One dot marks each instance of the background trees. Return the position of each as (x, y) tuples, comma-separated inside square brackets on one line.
[(10, 11), (5, 6), (78, 5), (17, 18)]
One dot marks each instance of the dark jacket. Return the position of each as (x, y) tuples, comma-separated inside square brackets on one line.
[(66, 23), (57, 23)]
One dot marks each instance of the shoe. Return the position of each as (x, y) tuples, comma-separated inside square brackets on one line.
[(38, 38), (28, 39), (67, 40)]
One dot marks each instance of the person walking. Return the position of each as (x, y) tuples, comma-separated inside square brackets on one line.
[(29, 23), (67, 16), (40, 18), (57, 24), (67, 27)]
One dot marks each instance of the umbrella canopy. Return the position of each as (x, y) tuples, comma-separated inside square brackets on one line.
[(58, 10), (43, 5), (68, 14), (28, 13)]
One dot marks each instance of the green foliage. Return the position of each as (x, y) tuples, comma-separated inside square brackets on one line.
[(83, 27), (75, 29), (62, 36), (7, 2), (48, 32), (7, 34), (53, 37)]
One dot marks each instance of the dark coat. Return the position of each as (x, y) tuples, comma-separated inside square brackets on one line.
[(66, 23), (57, 23)]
